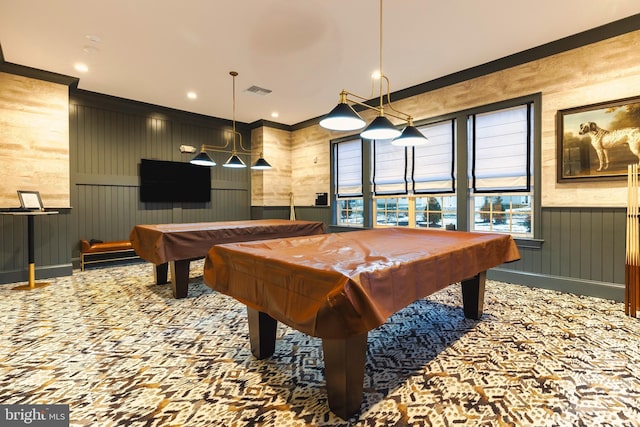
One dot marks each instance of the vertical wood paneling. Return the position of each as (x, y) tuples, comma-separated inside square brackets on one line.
[(50, 239), (545, 225), (579, 243), (619, 232), (585, 232), (109, 144), (555, 241), (595, 246), (575, 242), (608, 245)]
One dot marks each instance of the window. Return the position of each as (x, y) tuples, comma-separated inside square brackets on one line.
[(351, 212), (500, 145), (476, 173), (503, 213), (389, 168), (433, 167), (348, 183), (411, 172), (436, 211), (392, 211), (348, 161), (501, 150)]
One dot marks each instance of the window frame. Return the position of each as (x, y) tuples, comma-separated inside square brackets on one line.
[(462, 160)]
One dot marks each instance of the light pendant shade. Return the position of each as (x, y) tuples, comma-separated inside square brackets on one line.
[(202, 159), (344, 118), (410, 137), (261, 164), (234, 162), (380, 128)]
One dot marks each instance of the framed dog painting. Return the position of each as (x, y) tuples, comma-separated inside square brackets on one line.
[(598, 141)]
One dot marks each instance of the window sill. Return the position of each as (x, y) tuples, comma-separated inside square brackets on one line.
[(528, 243)]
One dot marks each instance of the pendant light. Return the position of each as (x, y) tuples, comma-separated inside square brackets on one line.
[(344, 118), (234, 161)]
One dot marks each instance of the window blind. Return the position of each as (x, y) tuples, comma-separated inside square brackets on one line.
[(501, 150), (348, 159), (389, 168), (433, 163)]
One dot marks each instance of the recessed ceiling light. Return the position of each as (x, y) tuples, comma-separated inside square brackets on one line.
[(192, 95), (93, 38), (275, 114), (90, 49), (79, 66)]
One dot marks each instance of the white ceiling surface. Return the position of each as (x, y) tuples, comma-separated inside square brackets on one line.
[(305, 51)]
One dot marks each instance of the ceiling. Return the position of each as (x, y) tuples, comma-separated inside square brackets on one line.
[(304, 51)]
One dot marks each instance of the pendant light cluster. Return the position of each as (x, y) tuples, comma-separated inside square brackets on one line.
[(344, 118), (234, 161)]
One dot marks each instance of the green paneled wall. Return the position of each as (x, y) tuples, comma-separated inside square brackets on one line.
[(583, 251), (108, 137)]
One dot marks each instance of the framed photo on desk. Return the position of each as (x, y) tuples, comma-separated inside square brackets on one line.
[(30, 200)]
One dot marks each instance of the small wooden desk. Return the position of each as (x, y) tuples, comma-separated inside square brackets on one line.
[(31, 257)]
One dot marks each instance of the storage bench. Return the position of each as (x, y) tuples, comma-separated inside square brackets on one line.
[(99, 252)]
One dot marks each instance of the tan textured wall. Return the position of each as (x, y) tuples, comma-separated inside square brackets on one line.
[(603, 71), (271, 187), (34, 140), (310, 157)]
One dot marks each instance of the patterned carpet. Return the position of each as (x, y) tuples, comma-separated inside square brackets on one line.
[(121, 351)]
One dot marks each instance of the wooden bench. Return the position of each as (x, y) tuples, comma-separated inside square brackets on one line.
[(99, 252)]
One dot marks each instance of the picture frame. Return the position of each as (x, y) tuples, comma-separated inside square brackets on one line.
[(30, 200), (596, 142)]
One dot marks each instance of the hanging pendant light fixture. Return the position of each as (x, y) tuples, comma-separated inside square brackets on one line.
[(344, 118), (261, 164), (203, 159), (234, 161)]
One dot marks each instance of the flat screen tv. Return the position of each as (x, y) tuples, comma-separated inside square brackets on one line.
[(166, 181)]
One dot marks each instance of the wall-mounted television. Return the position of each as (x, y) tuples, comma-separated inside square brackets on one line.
[(166, 181)]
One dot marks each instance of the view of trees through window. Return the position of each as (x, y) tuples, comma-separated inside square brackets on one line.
[(503, 213)]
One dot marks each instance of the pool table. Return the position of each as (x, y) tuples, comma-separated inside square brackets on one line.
[(339, 286), (176, 245)]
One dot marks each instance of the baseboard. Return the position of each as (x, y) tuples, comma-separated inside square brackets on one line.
[(605, 290), (44, 272)]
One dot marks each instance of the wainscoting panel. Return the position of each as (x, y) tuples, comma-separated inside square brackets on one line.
[(583, 251), (51, 243), (109, 137)]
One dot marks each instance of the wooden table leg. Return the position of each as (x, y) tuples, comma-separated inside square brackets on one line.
[(473, 296), (180, 278), (344, 362), (262, 333), (161, 272)]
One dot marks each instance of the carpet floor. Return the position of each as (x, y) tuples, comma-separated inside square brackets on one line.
[(120, 350)]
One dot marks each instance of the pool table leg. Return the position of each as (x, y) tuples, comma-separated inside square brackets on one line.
[(344, 362), (262, 333), (161, 273), (180, 278), (473, 296)]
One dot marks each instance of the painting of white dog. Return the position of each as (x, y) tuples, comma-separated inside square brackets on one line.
[(599, 140), (603, 140)]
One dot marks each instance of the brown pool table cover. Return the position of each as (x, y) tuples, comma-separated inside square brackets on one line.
[(342, 284), (161, 243)]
